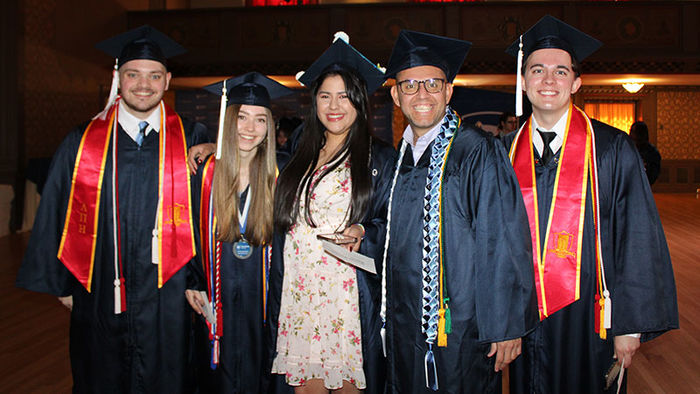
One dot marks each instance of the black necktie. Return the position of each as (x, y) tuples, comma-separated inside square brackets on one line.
[(547, 138)]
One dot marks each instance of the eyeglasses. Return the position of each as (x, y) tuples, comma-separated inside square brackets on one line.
[(411, 86)]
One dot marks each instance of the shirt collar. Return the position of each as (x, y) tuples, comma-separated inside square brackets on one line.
[(423, 141), (130, 123), (559, 128)]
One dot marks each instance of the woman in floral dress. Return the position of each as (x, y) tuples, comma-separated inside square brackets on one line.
[(320, 306)]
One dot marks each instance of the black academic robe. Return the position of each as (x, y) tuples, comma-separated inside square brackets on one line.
[(564, 354), (488, 267), (145, 349), (243, 353), (369, 285)]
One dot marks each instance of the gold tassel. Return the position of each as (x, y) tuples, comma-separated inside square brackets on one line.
[(442, 336)]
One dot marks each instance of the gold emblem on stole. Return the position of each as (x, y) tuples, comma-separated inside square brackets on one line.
[(563, 242), (175, 214)]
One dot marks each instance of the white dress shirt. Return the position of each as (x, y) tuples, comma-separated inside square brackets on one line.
[(130, 123), (559, 128), (423, 141)]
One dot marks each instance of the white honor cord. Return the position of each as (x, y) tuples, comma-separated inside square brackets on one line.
[(115, 224), (382, 312), (155, 245)]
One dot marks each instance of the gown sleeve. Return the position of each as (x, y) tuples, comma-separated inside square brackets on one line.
[(506, 306), (644, 291), (41, 270)]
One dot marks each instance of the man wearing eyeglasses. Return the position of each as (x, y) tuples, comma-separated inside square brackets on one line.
[(458, 292)]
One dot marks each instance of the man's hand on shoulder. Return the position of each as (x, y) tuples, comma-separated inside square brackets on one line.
[(197, 154)]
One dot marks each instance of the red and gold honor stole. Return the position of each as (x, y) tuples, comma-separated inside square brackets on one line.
[(173, 234), (558, 266), (211, 260)]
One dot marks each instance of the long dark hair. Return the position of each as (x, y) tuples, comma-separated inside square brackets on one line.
[(295, 181)]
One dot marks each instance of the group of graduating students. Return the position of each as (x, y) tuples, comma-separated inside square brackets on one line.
[(550, 245)]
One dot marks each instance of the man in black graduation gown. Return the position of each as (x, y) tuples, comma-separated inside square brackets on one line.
[(458, 291), (129, 318), (595, 312)]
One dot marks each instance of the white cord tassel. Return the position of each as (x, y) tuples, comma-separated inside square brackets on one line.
[(118, 308), (222, 115), (607, 312), (519, 82), (113, 90)]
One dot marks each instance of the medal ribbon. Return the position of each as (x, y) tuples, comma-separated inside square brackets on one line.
[(243, 216), (557, 265)]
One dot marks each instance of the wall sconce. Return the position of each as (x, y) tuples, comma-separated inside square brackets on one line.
[(633, 87)]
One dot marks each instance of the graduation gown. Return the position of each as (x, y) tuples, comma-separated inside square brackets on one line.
[(564, 354), (488, 267), (145, 349), (369, 285), (243, 353)]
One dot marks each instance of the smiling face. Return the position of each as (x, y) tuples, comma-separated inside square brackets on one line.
[(142, 84), (333, 106), (549, 82), (253, 123), (422, 109)]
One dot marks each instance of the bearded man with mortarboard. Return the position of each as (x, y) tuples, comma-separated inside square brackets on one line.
[(459, 291), (113, 232), (602, 269)]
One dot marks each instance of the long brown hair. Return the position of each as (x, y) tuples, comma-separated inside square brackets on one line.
[(225, 186)]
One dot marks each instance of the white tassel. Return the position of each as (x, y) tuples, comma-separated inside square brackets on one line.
[(117, 297), (155, 247), (519, 82), (222, 115), (113, 90), (607, 317), (342, 36)]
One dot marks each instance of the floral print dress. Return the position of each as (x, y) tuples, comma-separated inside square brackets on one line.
[(319, 335)]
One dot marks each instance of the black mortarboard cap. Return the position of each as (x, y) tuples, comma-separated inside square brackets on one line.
[(144, 42), (343, 55), (550, 32), (252, 88), (414, 49)]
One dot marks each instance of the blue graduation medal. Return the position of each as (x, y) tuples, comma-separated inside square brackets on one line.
[(241, 248)]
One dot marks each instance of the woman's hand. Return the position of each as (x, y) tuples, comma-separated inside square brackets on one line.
[(356, 231)]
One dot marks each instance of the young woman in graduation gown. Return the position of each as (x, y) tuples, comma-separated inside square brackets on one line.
[(233, 199), (324, 313)]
